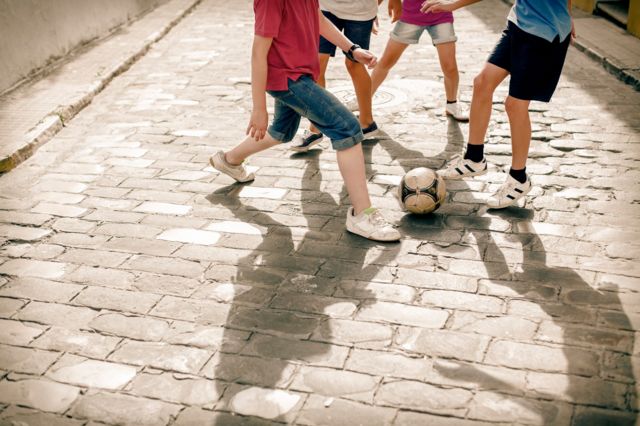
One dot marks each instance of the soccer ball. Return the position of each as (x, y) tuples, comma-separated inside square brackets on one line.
[(421, 191)]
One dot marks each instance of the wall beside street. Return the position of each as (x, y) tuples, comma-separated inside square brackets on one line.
[(33, 33)]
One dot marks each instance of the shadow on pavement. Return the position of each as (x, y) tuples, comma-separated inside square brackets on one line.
[(293, 290)]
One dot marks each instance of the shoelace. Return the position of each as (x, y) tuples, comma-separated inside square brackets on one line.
[(377, 219)]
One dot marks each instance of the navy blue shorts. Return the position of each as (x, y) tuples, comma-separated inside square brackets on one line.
[(305, 98), (359, 32), (534, 63)]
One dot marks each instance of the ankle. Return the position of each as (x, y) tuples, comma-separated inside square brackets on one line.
[(231, 161), (519, 174), (474, 153)]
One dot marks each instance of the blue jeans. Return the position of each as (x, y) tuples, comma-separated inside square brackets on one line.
[(306, 99)]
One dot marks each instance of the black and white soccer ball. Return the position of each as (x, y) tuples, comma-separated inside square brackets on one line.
[(421, 191)]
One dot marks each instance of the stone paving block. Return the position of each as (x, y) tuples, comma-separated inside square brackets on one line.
[(397, 313), (263, 402), (123, 409), (117, 300), (23, 233), (312, 353), (592, 416), (24, 218), (475, 376), (40, 394), (320, 410), (83, 343), (445, 343), (279, 323), (436, 280), (585, 336), (176, 388), (389, 364), (357, 333), (508, 327), (335, 383), (201, 311), (113, 278), (333, 307), (44, 251), (18, 332), (532, 357), (78, 240), (39, 289), (59, 197), (163, 208), (160, 196), (490, 406), (581, 390), (60, 186), (62, 210), (549, 311), (72, 317), (104, 215), (181, 359), (134, 327), (107, 259), (206, 337), (519, 290), (191, 236), (128, 230), (84, 372), (24, 416), (249, 370), (165, 265), (193, 416), (8, 307), (462, 301), (165, 284), (26, 360), (378, 291), (423, 397)]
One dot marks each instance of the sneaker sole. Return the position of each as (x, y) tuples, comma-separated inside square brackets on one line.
[(248, 179), (306, 148), (462, 120), (459, 177), (392, 240)]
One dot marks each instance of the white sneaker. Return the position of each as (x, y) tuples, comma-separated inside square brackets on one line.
[(458, 111), (372, 225), (305, 142), (459, 168), (239, 173), (509, 193)]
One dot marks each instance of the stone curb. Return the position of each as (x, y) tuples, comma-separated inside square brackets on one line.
[(623, 74), (54, 121)]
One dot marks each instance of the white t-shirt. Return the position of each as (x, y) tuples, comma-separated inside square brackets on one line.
[(353, 10)]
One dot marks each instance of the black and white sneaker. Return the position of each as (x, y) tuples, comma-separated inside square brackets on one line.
[(509, 193), (459, 168), (370, 131), (307, 141)]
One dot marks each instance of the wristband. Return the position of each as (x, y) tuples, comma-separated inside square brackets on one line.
[(349, 53)]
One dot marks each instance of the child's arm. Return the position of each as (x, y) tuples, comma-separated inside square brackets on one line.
[(331, 33), (395, 10), (435, 6), (259, 118)]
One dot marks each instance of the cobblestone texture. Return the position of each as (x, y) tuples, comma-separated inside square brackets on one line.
[(138, 286)]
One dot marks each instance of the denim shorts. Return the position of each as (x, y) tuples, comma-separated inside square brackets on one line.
[(359, 32), (410, 34), (307, 99)]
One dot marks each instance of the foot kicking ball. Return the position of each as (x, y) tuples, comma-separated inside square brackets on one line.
[(421, 191)]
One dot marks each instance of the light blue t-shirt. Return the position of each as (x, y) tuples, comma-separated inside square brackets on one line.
[(542, 18)]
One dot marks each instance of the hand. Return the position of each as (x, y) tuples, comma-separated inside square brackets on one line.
[(573, 31), (436, 6), (365, 57), (395, 10), (376, 26), (258, 124)]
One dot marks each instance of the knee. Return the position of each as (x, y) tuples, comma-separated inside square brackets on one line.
[(515, 106), (351, 65), (450, 69)]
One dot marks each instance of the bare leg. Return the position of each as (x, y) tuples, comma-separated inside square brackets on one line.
[(520, 124), (390, 57), (449, 66), (324, 62), (362, 85), (484, 85), (248, 147), (351, 164)]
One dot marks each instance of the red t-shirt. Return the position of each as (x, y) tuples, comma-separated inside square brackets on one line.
[(294, 27)]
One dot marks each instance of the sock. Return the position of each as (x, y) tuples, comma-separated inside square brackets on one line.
[(474, 153), (451, 102), (520, 175)]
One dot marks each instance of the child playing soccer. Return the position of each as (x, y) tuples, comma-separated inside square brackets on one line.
[(532, 50), (284, 63), (407, 31), (355, 18)]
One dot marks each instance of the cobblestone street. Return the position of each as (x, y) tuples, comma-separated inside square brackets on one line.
[(140, 287)]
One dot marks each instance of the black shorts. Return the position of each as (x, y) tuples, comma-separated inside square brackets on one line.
[(535, 64), (359, 32)]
